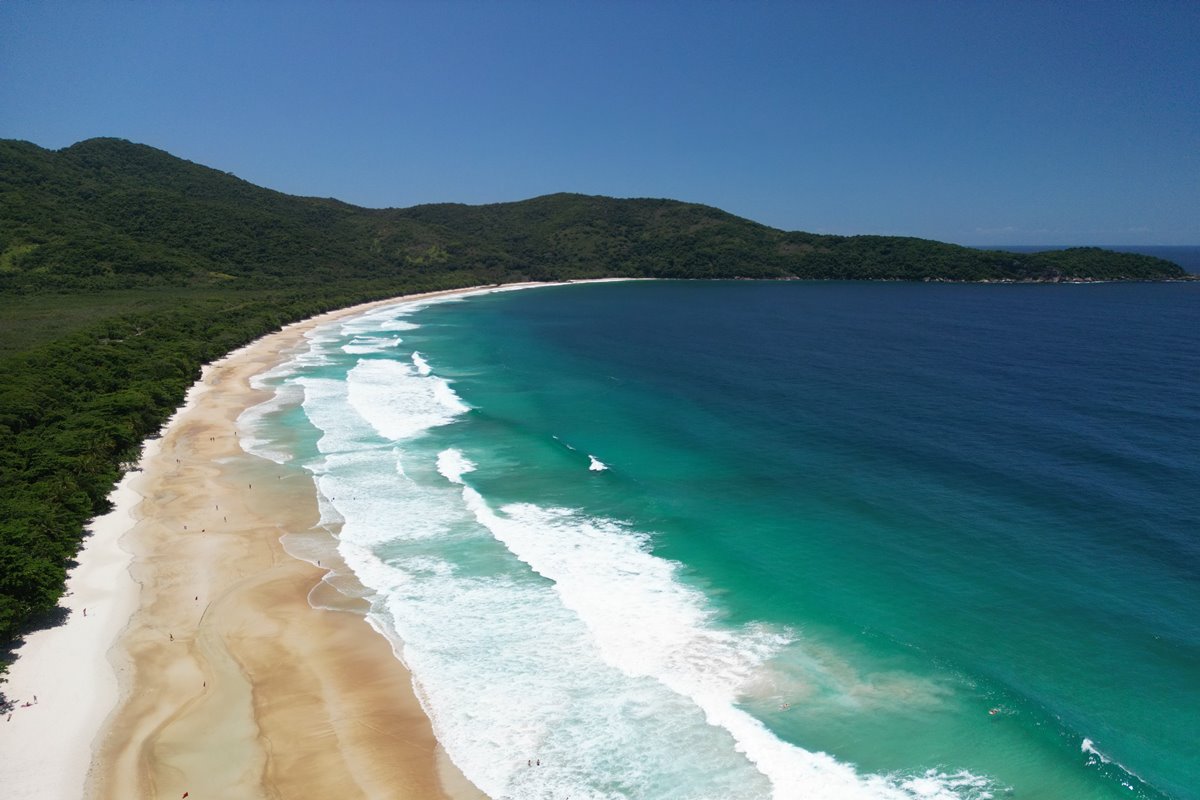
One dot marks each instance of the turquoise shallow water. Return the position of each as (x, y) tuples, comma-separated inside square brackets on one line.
[(777, 539)]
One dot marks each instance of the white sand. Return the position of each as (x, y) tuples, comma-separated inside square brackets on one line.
[(47, 747), (64, 673)]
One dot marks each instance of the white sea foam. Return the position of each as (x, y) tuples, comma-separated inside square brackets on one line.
[(508, 676), (1095, 758), (594, 464), (365, 345), (935, 785), (285, 369), (1089, 747), (381, 319), (506, 672), (325, 401), (648, 624), (537, 633), (251, 423), (377, 502), (321, 341), (421, 364), (452, 464), (399, 403)]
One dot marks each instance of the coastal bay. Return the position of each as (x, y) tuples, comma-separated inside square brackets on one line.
[(832, 552), (869, 472), (229, 683), (518, 499)]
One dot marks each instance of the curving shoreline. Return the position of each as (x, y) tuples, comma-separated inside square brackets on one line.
[(228, 683), (63, 672)]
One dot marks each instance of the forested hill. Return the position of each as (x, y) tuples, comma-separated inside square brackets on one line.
[(123, 269), (106, 214)]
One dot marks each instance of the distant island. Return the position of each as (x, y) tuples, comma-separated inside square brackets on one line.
[(123, 269)]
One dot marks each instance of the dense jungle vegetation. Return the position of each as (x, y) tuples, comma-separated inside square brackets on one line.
[(123, 269)]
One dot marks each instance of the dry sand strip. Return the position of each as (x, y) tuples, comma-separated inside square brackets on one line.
[(229, 685), (62, 686)]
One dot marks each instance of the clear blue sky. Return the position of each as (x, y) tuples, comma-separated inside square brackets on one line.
[(972, 122)]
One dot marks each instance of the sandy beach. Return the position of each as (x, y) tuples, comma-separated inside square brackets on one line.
[(223, 681)]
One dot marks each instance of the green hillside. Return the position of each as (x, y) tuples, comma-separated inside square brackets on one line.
[(108, 214), (123, 269)]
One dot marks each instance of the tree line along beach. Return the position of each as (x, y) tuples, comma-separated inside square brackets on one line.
[(228, 680)]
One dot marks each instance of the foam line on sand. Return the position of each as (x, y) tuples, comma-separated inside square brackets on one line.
[(199, 666)]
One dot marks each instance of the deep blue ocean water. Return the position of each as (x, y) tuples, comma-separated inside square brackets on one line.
[(775, 539)]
